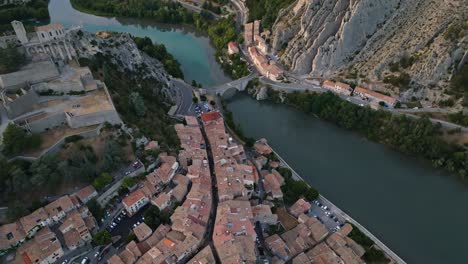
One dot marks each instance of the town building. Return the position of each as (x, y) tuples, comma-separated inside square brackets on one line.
[(262, 213), (162, 201), (372, 95), (299, 207), (76, 230), (142, 232), (135, 201), (338, 87), (11, 234), (86, 194), (53, 40), (59, 208), (44, 248), (233, 48)]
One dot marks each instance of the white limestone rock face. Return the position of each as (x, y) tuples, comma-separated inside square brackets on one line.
[(324, 38)]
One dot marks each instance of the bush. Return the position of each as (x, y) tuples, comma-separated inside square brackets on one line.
[(102, 238), (16, 140)]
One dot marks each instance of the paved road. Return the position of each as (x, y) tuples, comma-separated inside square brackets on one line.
[(197, 8), (184, 97), (291, 87), (241, 11)]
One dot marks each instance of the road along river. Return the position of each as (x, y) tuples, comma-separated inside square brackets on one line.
[(419, 212)]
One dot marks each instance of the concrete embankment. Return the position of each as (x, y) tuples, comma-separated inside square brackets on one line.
[(337, 211)]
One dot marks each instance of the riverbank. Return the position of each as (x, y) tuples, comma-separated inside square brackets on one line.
[(337, 211), (220, 31), (417, 137)]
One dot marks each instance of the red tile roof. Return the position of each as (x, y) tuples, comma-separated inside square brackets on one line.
[(133, 198), (210, 116)]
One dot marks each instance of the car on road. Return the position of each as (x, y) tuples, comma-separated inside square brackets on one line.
[(96, 254), (85, 260)]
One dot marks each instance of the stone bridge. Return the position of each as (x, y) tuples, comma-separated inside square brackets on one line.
[(239, 85)]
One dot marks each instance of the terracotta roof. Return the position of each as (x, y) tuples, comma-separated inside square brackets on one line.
[(85, 193), (62, 204), (210, 116), (134, 197), (376, 95), (49, 27), (142, 231)]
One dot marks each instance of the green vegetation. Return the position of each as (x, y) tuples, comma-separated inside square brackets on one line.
[(95, 209), (102, 238), (46, 175), (34, 10), (266, 10), (458, 118), (156, 124), (16, 140), (372, 254), (128, 182), (154, 217), (159, 52), (459, 84), (455, 31), (102, 180), (137, 103), (11, 60), (293, 189), (402, 80), (237, 68), (415, 137), (220, 31)]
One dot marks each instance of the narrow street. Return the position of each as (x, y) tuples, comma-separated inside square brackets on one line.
[(212, 219)]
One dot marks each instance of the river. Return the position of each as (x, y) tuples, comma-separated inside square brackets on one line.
[(419, 212), (190, 47)]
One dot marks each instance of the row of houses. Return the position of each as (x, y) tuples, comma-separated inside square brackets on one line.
[(258, 49), (174, 243), (311, 242), (37, 243), (234, 235), (347, 90)]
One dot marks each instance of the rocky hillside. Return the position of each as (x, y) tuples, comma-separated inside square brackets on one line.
[(409, 48)]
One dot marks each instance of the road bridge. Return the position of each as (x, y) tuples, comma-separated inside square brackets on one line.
[(239, 85)]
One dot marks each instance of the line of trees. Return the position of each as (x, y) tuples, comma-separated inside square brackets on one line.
[(411, 136), (35, 9), (266, 10)]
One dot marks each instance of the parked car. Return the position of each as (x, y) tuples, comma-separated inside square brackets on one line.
[(85, 260)]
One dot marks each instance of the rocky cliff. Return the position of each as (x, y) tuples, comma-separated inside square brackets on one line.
[(375, 40)]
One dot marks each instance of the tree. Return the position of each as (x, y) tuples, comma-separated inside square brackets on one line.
[(136, 101), (152, 215), (101, 181), (11, 60), (95, 209), (102, 238), (16, 210), (113, 155), (128, 182), (195, 100), (15, 140)]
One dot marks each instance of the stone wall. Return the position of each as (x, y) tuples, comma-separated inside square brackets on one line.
[(22, 105), (94, 118), (49, 122)]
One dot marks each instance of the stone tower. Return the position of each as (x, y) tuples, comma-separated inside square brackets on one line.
[(20, 31)]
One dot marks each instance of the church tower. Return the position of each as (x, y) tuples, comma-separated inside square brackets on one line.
[(20, 31)]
